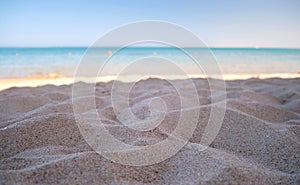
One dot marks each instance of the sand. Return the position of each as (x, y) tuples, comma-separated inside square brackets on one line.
[(258, 142), (56, 79)]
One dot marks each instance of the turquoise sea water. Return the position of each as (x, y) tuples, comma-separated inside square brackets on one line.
[(23, 62)]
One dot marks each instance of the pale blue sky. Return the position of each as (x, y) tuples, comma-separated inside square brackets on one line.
[(219, 23)]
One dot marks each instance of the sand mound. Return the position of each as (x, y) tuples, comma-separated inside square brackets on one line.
[(258, 142)]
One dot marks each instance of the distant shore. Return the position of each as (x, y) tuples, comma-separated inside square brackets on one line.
[(55, 79)]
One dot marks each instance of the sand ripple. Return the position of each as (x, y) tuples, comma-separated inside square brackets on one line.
[(258, 143)]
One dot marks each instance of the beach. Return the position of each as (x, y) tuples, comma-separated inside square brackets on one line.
[(57, 79), (258, 142), (227, 116), (150, 92)]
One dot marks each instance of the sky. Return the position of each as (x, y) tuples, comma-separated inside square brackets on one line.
[(218, 23)]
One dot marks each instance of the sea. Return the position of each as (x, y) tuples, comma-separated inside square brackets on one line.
[(64, 61)]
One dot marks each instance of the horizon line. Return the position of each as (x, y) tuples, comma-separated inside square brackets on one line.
[(209, 47)]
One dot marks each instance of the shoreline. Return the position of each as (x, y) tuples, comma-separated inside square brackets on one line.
[(54, 79)]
